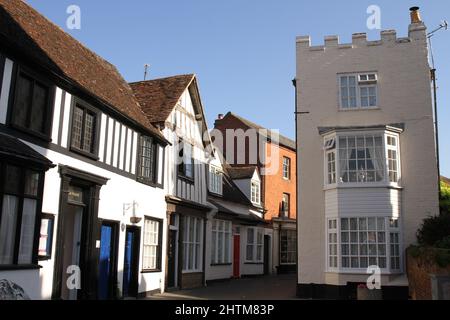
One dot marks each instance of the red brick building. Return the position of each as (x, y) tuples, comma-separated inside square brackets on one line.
[(275, 158)]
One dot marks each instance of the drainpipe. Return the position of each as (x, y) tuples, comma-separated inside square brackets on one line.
[(297, 195), (436, 127)]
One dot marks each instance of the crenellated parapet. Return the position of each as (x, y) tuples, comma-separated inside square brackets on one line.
[(416, 32)]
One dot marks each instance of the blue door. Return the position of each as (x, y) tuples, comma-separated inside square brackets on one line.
[(105, 263)]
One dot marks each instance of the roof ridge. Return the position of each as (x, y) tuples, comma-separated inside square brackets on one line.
[(257, 125), (164, 78), (22, 16)]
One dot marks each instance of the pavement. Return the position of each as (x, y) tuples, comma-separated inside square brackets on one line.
[(273, 287)]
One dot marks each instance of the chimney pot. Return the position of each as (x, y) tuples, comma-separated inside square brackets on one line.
[(220, 116), (415, 15)]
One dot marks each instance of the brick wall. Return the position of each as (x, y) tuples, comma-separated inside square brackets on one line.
[(275, 185), (419, 270)]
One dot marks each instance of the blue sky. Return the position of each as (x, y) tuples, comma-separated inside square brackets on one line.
[(243, 51)]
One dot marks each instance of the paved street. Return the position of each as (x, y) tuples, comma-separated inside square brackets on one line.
[(280, 287)]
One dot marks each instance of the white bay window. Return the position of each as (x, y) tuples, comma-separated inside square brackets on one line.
[(356, 243), (362, 158)]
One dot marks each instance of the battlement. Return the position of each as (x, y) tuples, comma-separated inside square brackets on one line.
[(417, 31)]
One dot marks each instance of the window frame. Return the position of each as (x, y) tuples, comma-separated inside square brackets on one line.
[(387, 231), (153, 181), (358, 85), (158, 258), (383, 134), (293, 231), (257, 195), (226, 255), (19, 69), (76, 102), (186, 244), (181, 167), (217, 172), (255, 246), (50, 217), (285, 213), (287, 172), (23, 167)]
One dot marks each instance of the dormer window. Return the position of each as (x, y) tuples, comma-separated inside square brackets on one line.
[(186, 167), (358, 91), (256, 192), (215, 180)]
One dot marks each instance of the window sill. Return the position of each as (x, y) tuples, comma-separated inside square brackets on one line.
[(20, 267), (358, 109), (151, 271), (146, 181), (44, 258), (187, 179), (40, 136), (191, 271), (220, 264), (220, 195), (384, 272), (84, 153), (254, 263), (362, 185)]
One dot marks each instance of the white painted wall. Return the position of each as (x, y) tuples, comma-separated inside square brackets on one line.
[(118, 191), (404, 96)]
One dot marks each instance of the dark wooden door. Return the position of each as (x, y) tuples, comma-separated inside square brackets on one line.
[(131, 262), (171, 252)]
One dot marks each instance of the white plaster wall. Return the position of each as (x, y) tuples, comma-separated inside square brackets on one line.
[(118, 191)]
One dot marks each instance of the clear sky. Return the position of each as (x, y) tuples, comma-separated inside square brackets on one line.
[(243, 51)]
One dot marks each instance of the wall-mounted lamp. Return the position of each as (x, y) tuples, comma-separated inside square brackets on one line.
[(133, 218)]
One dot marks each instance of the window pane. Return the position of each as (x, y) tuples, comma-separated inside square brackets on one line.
[(27, 231), (12, 180), (89, 132), (31, 183), (250, 236), (45, 237), (77, 126), (38, 110), (249, 255), (22, 100), (8, 228)]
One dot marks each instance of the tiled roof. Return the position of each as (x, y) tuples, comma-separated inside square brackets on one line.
[(159, 97), (283, 140), (241, 172), (48, 45)]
